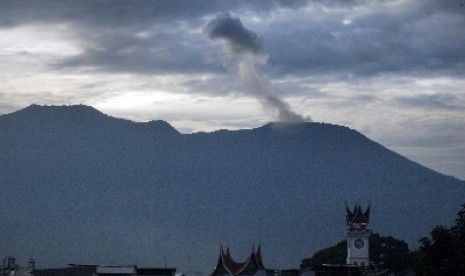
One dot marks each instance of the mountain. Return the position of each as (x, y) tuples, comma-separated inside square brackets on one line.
[(78, 186)]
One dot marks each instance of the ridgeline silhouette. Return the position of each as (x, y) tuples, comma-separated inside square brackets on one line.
[(80, 186)]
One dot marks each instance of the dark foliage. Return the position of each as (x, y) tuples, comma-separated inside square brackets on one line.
[(389, 253), (444, 252), (335, 254), (385, 253)]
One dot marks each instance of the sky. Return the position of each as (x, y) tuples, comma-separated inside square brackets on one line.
[(391, 69)]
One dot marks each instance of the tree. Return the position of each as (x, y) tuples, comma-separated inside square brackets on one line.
[(389, 253), (335, 254), (385, 253), (444, 252)]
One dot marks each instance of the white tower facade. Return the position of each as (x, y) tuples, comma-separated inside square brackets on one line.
[(358, 236)]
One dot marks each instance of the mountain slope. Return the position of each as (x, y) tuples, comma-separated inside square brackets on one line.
[(80, 186)]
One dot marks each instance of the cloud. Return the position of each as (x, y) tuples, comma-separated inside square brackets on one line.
[(109, 13), (100, 13), (379, 40), (436, 101), (155, 51), (303, 37)]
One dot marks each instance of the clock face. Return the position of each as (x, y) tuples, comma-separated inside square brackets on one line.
[(359, 243)]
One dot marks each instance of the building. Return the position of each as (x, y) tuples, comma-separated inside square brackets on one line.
[(104, 270), (358, 236), (146, 271), (226, 265)]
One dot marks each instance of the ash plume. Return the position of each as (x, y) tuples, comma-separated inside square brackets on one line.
[(243, 52)]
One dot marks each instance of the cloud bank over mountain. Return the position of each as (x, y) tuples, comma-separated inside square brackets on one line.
[(392, 69)]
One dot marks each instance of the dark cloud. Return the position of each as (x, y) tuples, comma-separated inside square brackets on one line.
[(447, 7), (157, 51), (242, 48), (434, 101), (101, 13), (231, 29), (405, 43), (420, 38), (124, 36), (110, 13)]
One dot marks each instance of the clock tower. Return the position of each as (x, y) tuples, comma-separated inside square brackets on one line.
[(358, 235)]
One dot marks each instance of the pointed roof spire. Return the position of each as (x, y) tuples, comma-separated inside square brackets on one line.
[(258, 257), (227, 263), (357, 218), (366, 214)]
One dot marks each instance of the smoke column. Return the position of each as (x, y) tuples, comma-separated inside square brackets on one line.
[(243, 52)]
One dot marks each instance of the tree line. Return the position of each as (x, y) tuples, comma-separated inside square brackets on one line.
[(441, 253)]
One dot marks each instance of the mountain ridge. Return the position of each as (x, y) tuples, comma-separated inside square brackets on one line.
[(87, 184), (77, 114)]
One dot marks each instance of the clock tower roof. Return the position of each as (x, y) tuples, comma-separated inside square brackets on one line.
[(357, 218)]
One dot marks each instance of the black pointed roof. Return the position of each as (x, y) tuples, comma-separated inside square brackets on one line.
[(357, 216), (227, 266)]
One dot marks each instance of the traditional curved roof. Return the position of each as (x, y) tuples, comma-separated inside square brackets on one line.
[(357, 216), (227, 266)]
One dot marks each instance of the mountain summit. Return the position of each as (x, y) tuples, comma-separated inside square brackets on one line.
[(80, 186)]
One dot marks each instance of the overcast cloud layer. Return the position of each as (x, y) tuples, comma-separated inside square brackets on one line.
[(392, 69)]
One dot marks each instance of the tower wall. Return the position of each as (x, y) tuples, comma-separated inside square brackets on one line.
[(358, 250), (358, 236)]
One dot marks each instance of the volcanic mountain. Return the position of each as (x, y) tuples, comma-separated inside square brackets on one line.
[(78, 186)]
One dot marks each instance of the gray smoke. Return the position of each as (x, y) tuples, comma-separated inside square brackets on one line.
[(242, 53)]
